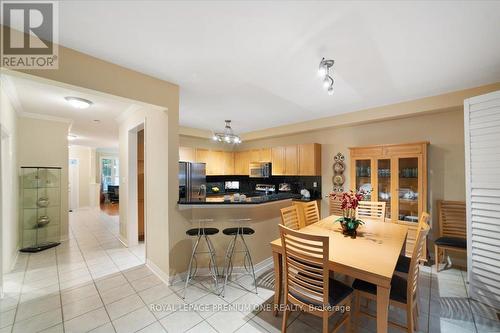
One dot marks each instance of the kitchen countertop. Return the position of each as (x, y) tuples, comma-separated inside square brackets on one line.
[(249, 201)]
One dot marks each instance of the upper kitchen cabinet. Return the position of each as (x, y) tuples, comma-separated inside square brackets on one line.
[(284, 161), (228, 162), (187, 154), (260, 155), (265, 155), (309, 159), (241, 162), (278, 161), (291, 159)]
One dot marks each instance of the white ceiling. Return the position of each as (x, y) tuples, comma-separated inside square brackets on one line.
[(256, 62), (47, 101)]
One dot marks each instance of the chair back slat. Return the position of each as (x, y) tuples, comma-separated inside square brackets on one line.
[(306, 266), (371, 209), (335, 206), (290, 217), (452, 218), (422, 231), (311, 212)]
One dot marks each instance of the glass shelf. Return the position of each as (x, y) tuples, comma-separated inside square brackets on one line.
[(363, 177), (38, 185)]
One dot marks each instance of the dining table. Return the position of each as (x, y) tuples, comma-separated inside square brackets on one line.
[(370, 256)]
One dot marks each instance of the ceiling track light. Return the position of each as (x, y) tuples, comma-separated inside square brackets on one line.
[(324, 73), (227, 136)]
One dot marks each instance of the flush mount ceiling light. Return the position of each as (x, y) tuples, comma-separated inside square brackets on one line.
[(227, 136), (71, 137), (77, 102), (324, 73)]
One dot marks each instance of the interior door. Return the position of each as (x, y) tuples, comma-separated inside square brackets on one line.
[(482, 170)]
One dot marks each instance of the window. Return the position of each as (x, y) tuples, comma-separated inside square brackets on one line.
[(110, 173)]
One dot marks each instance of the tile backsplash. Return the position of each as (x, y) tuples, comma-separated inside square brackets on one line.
[(247, 184)]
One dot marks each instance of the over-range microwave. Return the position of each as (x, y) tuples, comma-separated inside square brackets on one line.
[(260, 170)]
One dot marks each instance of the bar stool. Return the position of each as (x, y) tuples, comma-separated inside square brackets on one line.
[(199, 233), (240, 231)]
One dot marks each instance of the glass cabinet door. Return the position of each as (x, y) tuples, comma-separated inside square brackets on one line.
[(363, 177), (384, 184), (408, 189)]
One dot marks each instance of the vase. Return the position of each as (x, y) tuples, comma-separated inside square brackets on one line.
[(349, 231)]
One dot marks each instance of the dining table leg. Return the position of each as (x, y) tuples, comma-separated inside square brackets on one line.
[(382, 308), (278, 281)]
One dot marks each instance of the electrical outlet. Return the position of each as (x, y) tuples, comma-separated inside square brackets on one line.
[(315, 184)]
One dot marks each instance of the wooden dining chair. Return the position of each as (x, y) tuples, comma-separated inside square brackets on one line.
[(308, 285), (404, 292), (290, 217), (335, 206), (403, 264), (311, 212), (452, 229), (371, 209)]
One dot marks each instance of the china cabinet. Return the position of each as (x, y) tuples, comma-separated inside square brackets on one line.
[(397, 175), (40, 208)]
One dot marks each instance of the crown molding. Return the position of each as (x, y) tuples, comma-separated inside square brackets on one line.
[(195, 132), (45, 117)]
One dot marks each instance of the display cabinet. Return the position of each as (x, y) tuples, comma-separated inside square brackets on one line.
[(40, 208), (397, 175)]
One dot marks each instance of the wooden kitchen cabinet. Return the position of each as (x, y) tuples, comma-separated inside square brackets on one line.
[(216, 163), (265, 155), (241, 162), (187, 154), (309, 159), (254, 155), (291, 160), (260, 155), (228, 162), (278, 161)]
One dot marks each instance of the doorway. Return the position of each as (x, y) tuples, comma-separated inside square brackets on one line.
[(140, 185), (110, 184), (73, 184)]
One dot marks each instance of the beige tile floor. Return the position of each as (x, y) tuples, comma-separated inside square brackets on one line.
[(92, 283)]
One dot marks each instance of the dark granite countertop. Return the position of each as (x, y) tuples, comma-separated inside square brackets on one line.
[(219, 200)]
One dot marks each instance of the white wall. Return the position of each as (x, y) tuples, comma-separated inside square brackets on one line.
[(157, 129), (45, 143), (84, 156), (9, 181)]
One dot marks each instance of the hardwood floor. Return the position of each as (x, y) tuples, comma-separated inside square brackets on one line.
[(110, 208)]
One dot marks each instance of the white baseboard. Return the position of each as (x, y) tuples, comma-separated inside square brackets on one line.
[(237, 270), (122, 240), (158, 272)]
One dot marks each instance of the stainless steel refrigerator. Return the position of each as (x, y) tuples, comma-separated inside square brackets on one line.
[(192, 182)]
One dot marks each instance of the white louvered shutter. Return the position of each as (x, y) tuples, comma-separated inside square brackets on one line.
[(482, 169)]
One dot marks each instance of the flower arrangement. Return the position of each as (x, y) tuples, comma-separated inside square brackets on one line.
[(349, 201)]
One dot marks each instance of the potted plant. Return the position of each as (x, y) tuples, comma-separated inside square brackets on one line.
[(348, 203)]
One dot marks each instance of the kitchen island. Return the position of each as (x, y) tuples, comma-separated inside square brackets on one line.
[(262, 212)]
